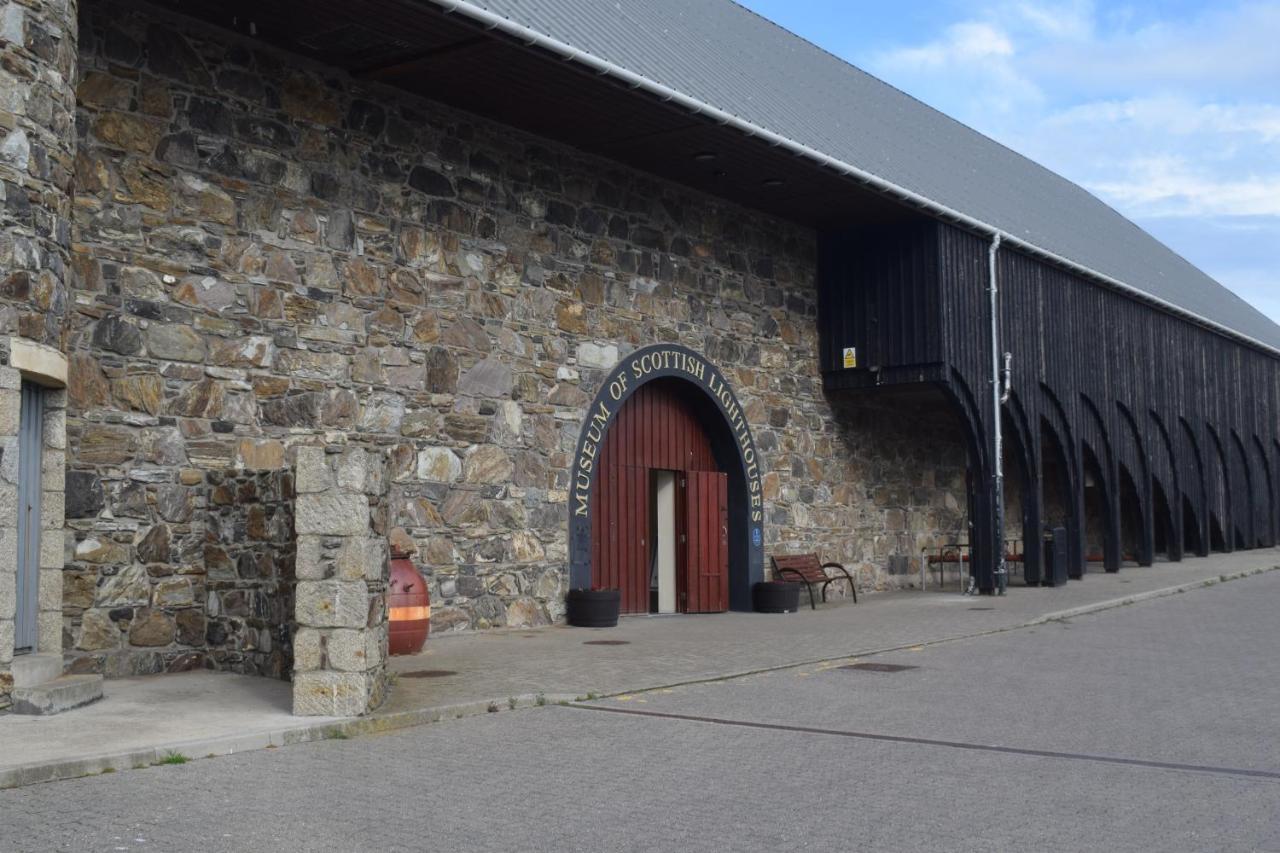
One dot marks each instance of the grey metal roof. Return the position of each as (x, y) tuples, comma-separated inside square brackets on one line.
[(722, 55)]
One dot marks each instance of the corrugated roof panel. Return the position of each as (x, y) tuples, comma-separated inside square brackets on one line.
[(730, 58)]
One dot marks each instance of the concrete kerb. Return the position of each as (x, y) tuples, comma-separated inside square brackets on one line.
[(1150, 595), (37, 772), (137, 759)]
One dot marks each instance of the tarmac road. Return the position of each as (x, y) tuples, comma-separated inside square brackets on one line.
[(1149, 727)]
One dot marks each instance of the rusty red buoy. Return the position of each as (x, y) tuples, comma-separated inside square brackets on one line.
[(409, 607)]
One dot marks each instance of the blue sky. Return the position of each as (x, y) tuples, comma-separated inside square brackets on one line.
[(1170, 112)]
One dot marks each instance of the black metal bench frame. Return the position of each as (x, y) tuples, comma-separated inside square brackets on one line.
[(809, 575)]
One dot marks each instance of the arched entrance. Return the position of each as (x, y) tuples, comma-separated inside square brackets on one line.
[(666, 502), (660, 532), (1097, 511)]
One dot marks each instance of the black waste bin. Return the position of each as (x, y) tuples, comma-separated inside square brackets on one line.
[(1055, 557)]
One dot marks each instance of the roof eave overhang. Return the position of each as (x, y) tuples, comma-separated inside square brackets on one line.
[(541, 41)]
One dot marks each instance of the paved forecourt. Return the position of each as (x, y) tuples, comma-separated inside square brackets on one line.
[(1059, 737), (199, 714)]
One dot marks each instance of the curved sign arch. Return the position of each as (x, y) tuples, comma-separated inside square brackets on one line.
[(725, 423)]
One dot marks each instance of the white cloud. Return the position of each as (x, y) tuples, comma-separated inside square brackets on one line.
[(1169, 186), (1168, 121), (972, 57), (1177, 115), (1062, 21), (1229, 45), (966, 42)]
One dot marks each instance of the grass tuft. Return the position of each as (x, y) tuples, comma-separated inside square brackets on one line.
[(174, 758)]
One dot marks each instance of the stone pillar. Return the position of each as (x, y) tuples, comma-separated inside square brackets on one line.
[(37, 156), (53, 512), (340, 649), (10, 412)]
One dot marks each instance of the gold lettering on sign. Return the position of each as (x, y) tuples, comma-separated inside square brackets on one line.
[(640, 367), (586, 458)]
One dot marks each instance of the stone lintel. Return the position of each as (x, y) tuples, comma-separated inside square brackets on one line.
[(40, 363)]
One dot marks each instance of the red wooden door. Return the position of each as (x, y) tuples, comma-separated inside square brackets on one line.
[(621, 541), (706, 562), (656, 429)]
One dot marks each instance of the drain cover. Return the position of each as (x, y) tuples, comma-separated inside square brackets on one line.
[(428, 673), (982, 608), (607, 643), (879, 667)]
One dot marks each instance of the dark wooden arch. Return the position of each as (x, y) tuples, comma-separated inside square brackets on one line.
[(1029, 450), (914, 298), (1218, 481), (1132, 457), (1095, 439), (1164, 469), (1266, 510), (1196, 498), (1054, 415), (1244, 516)]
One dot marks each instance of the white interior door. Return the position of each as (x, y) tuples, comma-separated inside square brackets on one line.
[(665, 518)]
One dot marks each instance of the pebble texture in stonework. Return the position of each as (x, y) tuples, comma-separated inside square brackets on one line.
[(37, 141), (273, 256), (249, 559)]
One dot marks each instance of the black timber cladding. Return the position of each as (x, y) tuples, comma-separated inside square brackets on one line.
[(1144, 396)]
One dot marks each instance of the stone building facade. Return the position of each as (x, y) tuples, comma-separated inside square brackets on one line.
[(283, 294)]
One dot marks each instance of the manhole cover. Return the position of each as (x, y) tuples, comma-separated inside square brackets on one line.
[(428, 673), (879, 667), (982, 608), (607, 643)]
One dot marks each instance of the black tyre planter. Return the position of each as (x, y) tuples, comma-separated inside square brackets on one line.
[(776, 597), (593, 608)]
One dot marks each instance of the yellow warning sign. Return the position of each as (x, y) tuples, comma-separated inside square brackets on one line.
[(850, 358)]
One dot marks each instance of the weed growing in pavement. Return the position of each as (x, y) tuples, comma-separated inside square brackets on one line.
[(174, 758), (511, 702), (541, 700)]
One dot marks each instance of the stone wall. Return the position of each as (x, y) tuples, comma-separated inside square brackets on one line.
[(249, 556), (271, 256), (134, 573), (37, 140), (341, 642), (905, 498), (37, 102)]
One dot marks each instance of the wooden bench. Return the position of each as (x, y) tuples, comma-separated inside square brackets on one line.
[(809, 570)]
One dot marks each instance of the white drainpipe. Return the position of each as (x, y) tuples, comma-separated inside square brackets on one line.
[(998, 395)]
